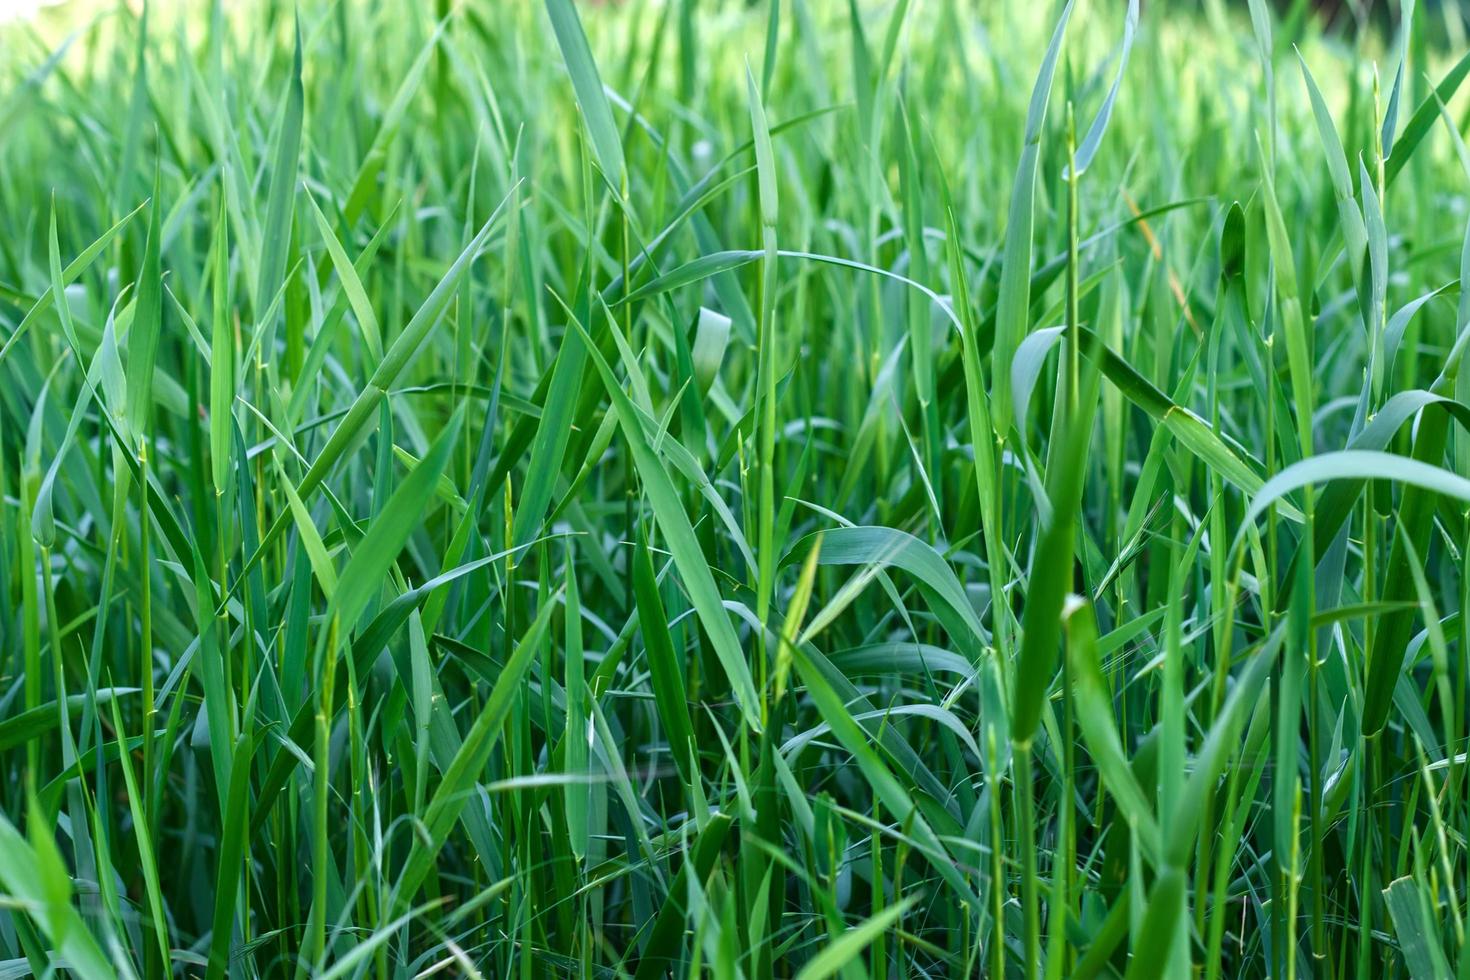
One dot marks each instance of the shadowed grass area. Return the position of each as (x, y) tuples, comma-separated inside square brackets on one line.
[(790, 488)]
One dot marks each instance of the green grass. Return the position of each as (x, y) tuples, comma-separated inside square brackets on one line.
[(789, 488)]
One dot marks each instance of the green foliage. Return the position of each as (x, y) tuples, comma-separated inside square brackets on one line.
[(666, 488)]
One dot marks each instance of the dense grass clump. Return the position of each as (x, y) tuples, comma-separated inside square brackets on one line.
[(904, 488)]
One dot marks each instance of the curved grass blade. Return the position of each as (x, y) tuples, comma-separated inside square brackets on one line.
[(1013, 307), (1090, 143), (42, 883)]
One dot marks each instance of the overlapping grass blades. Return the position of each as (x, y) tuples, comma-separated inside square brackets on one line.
[(773, 489)]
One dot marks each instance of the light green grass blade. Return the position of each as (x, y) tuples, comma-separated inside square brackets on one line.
[(37, 882), (276, 233), (847, 947), (1087, 149), (1012, 314), (1418, 938), (143, 337), (362, 308), (596, 113)]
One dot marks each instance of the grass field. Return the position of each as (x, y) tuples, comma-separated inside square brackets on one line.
[(787, 488)]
